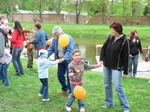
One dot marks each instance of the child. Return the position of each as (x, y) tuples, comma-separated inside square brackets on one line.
[(43, 64), (30, 48), (76, 68), (147, 58), (4, 62)]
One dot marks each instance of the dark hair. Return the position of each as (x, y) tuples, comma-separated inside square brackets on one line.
[(132, 34), (117, 27), (18, 27), (75, 51), (38, 26)]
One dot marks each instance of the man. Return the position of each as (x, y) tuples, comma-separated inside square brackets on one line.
[(64, 54)]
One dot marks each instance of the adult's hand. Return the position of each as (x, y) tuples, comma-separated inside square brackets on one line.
[(100, 63)]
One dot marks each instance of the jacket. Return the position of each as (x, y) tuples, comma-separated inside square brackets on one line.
[(135, 47), (17, 39), (2, 42), (53, 48), (39, 40), (115, 54)]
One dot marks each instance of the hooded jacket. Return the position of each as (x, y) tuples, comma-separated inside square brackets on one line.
[(115, 54), (43, 64)]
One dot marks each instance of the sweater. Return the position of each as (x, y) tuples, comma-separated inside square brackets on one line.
[(76, 69), (17, 39), (115, 54), (6, 59)]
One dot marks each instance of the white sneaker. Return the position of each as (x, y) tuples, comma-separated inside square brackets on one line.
[(82, 110), (126, 111), (68, 109), (40, 94), (45, 99)]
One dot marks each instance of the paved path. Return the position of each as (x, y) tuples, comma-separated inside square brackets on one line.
[(143, 70)]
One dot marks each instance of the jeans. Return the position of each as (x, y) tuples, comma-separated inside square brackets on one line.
[(133, 61), (3, 74), (62, 70), (44, 88), (16, 52), (115, 76), (72, 98)]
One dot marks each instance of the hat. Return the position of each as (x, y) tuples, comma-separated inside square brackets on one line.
[(43, 53)]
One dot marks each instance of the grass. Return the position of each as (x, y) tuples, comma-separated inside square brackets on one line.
[(21, 95), (92, 33)]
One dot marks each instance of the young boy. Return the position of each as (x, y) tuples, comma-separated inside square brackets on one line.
[(43, 64), (30, 48), (76, 68), (4, 62)]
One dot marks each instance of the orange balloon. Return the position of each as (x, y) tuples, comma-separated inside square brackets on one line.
[(48, 42), (63, 40), (79, 92)]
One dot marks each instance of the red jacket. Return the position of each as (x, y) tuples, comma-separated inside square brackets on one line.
[(17, 39)]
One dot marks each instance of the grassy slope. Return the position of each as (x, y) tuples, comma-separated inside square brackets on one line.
[(21, 95)]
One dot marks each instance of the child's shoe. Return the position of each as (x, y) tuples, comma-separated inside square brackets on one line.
[(45, 99), (40, 94), (82, 109), (68, 109)]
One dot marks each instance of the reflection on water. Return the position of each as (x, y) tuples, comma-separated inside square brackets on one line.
[(89, 52)]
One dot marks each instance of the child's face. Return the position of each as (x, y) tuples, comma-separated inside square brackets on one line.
[(77, 56)]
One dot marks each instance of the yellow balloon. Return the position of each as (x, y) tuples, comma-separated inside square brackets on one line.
[(63, 40), (79, 92)]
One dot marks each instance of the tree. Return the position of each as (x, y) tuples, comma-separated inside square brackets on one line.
[(57, 5), (38, 5), (9, 6)]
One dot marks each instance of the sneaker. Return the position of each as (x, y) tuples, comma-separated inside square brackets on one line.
[(45, 99), (105, 106), (68, 109), (62, 92), (82, 110), (126, 111), (40, 94)]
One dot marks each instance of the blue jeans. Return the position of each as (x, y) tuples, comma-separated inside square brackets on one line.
[(3, 74), (16, 52), (72, 98), (115, 76), (44, 88), (62, 70), (133, 61)]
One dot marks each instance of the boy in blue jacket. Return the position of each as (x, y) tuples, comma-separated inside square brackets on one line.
[(43, 64)]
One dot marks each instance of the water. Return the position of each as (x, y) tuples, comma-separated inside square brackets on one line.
[(89, 52)]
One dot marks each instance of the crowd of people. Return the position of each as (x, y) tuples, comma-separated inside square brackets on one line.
[(118, 54)]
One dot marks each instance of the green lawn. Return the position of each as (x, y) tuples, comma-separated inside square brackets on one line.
[(21, 95), (92, 31)]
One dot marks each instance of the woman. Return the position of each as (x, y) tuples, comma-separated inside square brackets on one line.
[(135, 47), (114, 56), (40, 38), (17, 40)]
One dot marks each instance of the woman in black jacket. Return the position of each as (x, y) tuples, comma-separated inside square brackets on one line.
[(114, 56), (135, 47)]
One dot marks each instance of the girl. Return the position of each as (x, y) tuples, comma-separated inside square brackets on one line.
[(135, 47), (43, 64), (76, 68), (17, 40)]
